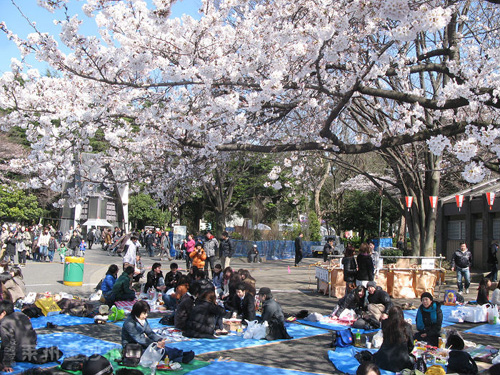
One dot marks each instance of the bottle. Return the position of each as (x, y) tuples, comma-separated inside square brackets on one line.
[(357, 339), (368, 344), (442, 340)]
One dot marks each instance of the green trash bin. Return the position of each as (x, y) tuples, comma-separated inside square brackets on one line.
[(73, 271)]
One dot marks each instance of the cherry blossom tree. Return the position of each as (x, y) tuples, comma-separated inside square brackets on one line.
[(336, 76)]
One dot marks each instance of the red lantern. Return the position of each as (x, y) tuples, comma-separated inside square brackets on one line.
[(409, 201), (434, 202), (490, 197), (460, 201)]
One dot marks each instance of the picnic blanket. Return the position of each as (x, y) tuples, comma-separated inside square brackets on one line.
[(486, 329), (70, 344), (200, 346), (232, 367), (331, 325), (62, 320), (344, 361), (193, 365)]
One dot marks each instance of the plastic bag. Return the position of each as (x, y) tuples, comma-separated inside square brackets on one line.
[(347, 315), (152, 355), (492, 312), (255, 330), (96, 296), (116, 314), (378, 339)]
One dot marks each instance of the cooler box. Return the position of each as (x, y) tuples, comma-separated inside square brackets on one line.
[(73, 271)]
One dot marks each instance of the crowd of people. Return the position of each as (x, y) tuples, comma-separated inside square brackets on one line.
[(212, 291)]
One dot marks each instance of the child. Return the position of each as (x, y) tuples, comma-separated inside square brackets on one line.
[(62, 251), (458, 360), (83, 247)]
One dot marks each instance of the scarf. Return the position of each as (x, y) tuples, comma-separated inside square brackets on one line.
[(432, 310)]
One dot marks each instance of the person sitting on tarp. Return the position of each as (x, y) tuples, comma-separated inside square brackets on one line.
[(18, 336), (379, 303), (459, 361), (205, 316), (136, 330), (273, 315), (354, 300), (185, 306), (244, 303), (378, 296), (121, 288), (429, 320), (394, 354)]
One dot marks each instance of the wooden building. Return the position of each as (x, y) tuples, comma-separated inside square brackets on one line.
[(476, 222)]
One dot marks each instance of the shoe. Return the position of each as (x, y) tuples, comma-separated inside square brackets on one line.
[(51, 325), (187, 356), (467, 291)]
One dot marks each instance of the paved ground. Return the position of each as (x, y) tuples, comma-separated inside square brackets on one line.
[(294, 288)]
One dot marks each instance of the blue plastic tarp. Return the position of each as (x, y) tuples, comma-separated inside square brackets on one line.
[(272, 249)]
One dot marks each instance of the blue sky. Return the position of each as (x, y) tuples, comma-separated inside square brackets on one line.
[(44, 20)]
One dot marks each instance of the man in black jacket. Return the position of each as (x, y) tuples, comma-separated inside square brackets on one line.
[(226, 250), (299, 246), (244, 303), (461, 262), (377, 296)]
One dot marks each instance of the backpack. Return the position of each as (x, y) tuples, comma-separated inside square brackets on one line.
[(342, 338), (46, 355), (74, 363), (131, 355)]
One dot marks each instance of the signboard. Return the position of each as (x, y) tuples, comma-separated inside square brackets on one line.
[(180, 232), (427, 264)]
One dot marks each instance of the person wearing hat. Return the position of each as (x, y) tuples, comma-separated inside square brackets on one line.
[(378, 298), (273, 315), (459, 361), (429, 320), (253, 254)]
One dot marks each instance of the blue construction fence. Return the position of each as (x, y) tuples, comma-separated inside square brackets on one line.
[(272, 250)]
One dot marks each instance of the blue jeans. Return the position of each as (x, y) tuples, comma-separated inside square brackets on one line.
[(44, 250), (465, 273)]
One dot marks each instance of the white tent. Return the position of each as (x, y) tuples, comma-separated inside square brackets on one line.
[(97, 223)]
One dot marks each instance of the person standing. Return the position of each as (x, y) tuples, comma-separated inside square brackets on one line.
[(327, 249), (226, 248), (91, 237), (493, 261), (366, 268), (461, 262), (43, 242), (130, 250), (74, 243), (350, 268), (299, 246), (211, 246)]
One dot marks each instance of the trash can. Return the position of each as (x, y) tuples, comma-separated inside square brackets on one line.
[(73, 271)]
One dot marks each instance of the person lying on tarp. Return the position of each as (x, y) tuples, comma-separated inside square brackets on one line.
[(429, 320), (18, 336), (354, 300), (136, 330)]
